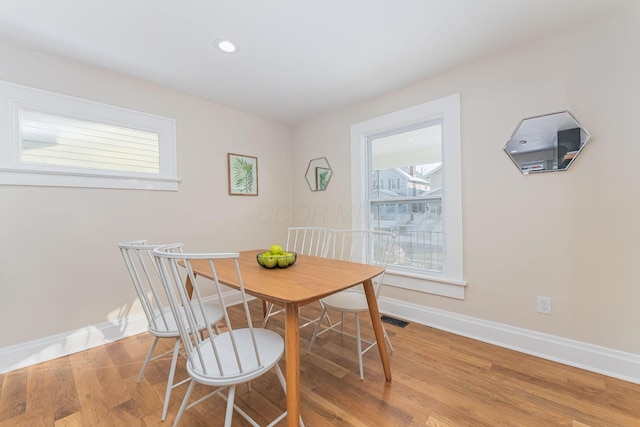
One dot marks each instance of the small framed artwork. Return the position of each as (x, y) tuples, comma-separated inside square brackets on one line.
[(243, 175), (322, 178)]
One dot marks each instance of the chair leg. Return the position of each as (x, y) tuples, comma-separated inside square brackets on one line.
[(386, 337), (270, 311), (172, 373), (267, 314), (148, 358), (187, 395), (230, 398), (281, 379), (359, 344), (315, 332), (326, 314)]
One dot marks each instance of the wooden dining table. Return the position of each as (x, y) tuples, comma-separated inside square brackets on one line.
[(308, 280)]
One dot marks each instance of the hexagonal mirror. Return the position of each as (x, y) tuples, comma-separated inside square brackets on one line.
[(547, 143), (318, 174)]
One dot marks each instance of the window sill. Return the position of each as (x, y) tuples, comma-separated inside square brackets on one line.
[(439, 285), (56, 179)]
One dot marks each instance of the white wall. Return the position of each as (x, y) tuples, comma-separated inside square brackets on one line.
[(572, 236), (60, 268)]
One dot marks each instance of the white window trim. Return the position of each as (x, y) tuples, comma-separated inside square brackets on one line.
[(14, 97), (450, 282)]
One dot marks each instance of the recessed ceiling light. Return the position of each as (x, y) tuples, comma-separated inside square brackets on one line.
[(226, 45)]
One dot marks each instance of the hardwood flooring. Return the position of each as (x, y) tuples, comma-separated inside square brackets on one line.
[(439, 380)]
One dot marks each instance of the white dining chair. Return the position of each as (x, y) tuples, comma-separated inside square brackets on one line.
[(142, 267), (304, 241), (235, 356), (363, 246)]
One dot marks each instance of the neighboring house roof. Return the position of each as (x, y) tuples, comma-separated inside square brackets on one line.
[(435, 168), (411, 178), (432, 191)]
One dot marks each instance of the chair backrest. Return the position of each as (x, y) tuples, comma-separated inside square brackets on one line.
[(233, 353), (307, 240), (142, 267), (363, 246)]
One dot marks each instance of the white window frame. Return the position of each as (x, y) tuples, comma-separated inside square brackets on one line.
[(15, 97), (450, 282)]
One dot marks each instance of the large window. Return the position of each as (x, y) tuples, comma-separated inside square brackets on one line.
[(405, 193), (406, 179), (57, 140)]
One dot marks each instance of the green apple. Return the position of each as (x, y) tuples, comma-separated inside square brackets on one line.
[(270, 261), (291, 258), (276, 249), (283, 261)]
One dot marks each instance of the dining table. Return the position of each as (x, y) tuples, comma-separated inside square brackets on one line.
[(309, 279)]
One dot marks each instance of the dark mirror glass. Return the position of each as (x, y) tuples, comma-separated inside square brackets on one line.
[(547, 143)]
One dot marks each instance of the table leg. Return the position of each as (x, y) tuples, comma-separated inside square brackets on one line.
[(189, 286), (292, 354), (377, 327)]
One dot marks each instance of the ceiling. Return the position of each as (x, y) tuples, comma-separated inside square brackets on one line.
[(297, 59)]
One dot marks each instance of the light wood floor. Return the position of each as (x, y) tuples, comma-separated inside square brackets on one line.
[(439, 380)]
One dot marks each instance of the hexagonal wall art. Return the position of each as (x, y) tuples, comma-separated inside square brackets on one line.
[(547, 143)]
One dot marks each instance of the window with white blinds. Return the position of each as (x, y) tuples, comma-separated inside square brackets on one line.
[(64, 141)]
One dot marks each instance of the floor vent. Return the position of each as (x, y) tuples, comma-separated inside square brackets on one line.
[(394, 321)]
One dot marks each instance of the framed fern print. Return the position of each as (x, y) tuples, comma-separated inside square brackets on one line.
[(243, 175)]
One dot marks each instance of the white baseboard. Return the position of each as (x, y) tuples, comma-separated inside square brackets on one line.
[(606, 361), (613, 363), (48, 348)]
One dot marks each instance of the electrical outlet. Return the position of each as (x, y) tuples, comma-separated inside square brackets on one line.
[(544, 305)]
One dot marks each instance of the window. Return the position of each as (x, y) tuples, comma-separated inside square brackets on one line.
[(56, 140), (406, 179), (410, 158)]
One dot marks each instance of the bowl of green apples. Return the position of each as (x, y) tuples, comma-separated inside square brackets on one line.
[(276, 257)]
